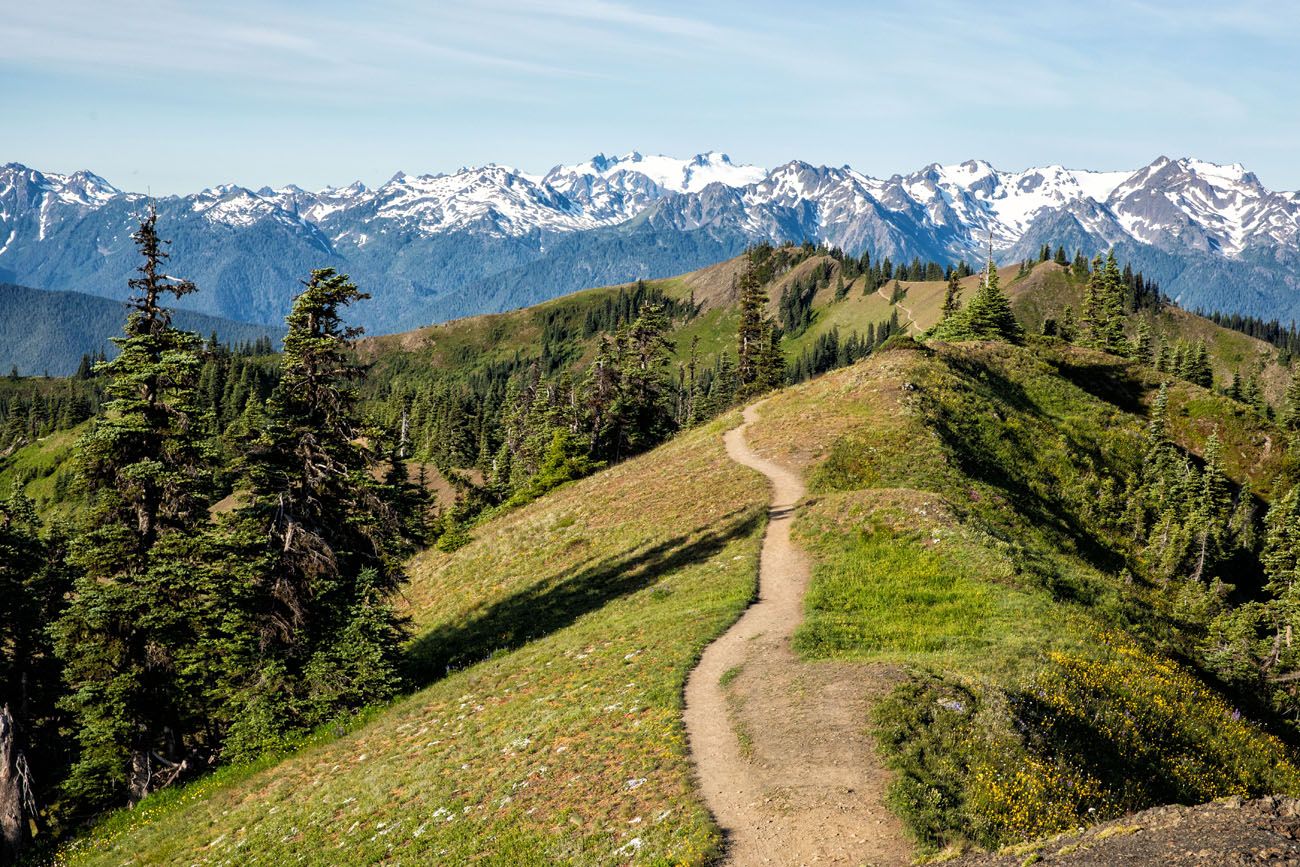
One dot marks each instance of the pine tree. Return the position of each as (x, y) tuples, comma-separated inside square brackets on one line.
[(133, 636), (1281, 560), (988, 316), (1141, 346), (316, 544), (1291, 402), (642, 405), (752, 329), (772, 365), (951, 297), (760, 365), (1110, 332), (34, 582), (1212, 512)]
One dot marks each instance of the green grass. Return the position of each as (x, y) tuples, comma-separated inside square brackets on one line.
[(42, 470), (957, 528), (930, 595), (556, 736)]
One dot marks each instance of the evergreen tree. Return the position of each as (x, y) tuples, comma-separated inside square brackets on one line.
[(760, 365), (642, 405), (1080, 265), (1110, 331), (1281, 559), (951, 297), (1291, 402), (34, 582), (1141, 346), (133, 637), (753, 327), (316, 543), (988, 316)]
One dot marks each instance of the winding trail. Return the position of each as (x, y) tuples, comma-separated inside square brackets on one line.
[(911, 320), (781, 750)]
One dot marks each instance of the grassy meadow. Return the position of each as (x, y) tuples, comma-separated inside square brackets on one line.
[(551, 652)]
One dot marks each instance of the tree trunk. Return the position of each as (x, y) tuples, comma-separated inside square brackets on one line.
[(11, 791), (139, 777)]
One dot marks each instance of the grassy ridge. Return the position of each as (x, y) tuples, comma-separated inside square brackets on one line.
[(556, 737), (955, 529)]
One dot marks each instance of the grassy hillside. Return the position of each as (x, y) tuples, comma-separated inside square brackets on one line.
[(42, 471), (959, 526), (962, 525), (554, 648), (1043, 293), (1049, 288)]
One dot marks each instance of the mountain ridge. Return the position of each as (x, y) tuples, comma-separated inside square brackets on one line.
[(440, 245)]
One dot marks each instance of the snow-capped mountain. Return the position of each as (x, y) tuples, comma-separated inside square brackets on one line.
[(483, 238)]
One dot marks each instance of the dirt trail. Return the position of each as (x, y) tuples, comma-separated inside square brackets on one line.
[(911, 321), (782, 753)]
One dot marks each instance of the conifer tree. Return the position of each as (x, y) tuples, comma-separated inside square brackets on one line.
[(133, 637), (1080, 265), (951, 297), (643, 404), (760, 365), (1141, 346), (1090, 311), (1110, 332), (753, 327), (988, 316), (1280, 557), (1291, 402), (316, 543), (34, 582)]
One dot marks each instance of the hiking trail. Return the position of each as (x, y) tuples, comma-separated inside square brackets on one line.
[(782, 752)]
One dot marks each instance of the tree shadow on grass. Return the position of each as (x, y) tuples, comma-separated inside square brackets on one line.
[(550, 605), (1114, 382)]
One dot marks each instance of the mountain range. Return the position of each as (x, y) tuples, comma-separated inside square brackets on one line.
[(434, 247)]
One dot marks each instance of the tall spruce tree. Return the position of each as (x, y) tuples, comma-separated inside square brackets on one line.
[(316, 544), (988, 315), (760, 365), (134, 635), (34, 582), (1110, 316), (752, 329), (1291, 402), (951, 297)]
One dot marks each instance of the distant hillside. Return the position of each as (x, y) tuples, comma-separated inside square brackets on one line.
[(48, 332), (841, 303)]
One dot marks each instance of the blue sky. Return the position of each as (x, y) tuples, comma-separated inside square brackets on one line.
[(176, 96)]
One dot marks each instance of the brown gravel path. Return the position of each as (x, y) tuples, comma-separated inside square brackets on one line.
[(781, 751)]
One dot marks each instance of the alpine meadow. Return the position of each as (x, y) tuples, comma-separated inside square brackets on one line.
[(648, 510)]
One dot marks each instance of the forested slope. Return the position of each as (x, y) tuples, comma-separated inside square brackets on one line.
[(48, 332)]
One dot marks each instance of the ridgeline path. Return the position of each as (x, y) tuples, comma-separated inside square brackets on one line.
[(911, 321), (782, 752)]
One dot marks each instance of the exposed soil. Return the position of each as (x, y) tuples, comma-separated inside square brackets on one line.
[(911, 321), (1228, 833), (782, 752)]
